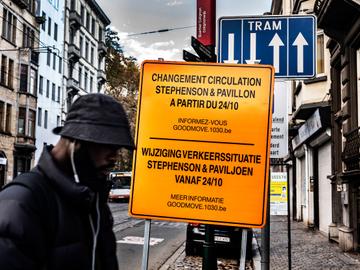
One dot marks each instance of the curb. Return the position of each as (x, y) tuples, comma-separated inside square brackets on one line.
[(170, 261)]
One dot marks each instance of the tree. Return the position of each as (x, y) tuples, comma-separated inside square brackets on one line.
[(122, 75)]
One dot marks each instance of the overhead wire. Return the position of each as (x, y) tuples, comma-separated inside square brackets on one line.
[(160, 31), (66, 60)]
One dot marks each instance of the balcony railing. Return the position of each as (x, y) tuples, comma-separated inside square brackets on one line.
[(351, 152), (72, 87), (74, 53), (101, 75), (23, 4), (102, 49), (75, 19)]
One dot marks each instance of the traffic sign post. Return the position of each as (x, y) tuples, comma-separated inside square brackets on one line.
[(203, 143), (286, 42)]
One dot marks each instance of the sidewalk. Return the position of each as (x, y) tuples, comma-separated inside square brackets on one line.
[(309, 249)]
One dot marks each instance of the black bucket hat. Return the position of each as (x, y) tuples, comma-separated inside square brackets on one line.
[(97, 118)]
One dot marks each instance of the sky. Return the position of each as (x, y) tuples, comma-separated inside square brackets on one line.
[(129, 17)]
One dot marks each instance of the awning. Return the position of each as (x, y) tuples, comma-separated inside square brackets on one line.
[(306, 110)]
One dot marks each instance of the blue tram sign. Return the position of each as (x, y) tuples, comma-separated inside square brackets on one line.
[(286, 42)]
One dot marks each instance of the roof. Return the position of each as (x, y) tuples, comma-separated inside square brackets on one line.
[(99, 12)]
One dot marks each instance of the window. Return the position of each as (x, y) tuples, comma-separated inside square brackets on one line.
[(11, 74), (2, 115), (60, 65), (72, 35), (54, 61), (21, 121), (21, 164), (31, 6), (86, 50), (86, 81), (55, 31), (92, 55), (58, 94), (72, 5), (47, 88), (9, 26), (46, 119), (3, 69), (53, 92), (49, 26), (80, 77), (88, 21), (31, 124), (41, 82), (39, 117), (91, 83), (33, 81), (93, 24), (23, 78), (100, 34), (5, 117), (8, 119), (81, 45), (320, 54), (82, 14), (48, 60), (43, 24), (28, 37)]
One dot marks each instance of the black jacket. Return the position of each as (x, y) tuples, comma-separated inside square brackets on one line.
[(48, 227)]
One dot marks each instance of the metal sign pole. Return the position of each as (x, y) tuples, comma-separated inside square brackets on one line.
[(209, 261), (288, 216), (145, 258), (265, 236), (243, 249)]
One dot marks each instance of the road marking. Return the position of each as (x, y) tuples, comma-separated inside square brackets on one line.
[(137, 240)]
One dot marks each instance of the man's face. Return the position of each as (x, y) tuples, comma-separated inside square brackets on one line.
[(102, 156)]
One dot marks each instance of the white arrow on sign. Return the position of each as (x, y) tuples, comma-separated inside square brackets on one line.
[(300, 42), (253, 59), (276, 43), (231, 49)]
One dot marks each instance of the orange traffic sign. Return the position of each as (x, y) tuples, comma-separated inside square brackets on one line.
[(203, 143)]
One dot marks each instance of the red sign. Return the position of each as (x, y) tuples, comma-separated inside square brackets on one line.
[(205, 30)]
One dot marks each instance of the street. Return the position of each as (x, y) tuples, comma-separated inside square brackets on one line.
[(166, 238)]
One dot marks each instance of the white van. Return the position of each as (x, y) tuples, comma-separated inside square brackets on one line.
[(120, 189)]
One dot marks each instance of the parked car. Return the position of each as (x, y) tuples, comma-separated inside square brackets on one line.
[(120, 187), (227, 240)]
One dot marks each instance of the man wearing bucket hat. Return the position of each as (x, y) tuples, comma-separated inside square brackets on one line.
[(56, 216)]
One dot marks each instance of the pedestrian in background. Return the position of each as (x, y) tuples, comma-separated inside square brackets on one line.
[(56, 216)]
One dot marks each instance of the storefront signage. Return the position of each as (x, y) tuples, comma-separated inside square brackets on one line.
[(312, 125), (278, 193), (203, 143), (279, 131)]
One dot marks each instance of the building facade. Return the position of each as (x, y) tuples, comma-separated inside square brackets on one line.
[(84, 49), (50, 81), (309, 134), (340, 21), (324, 126), (19, 53)]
